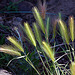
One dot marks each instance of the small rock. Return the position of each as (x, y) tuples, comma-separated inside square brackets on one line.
[(17, 21), (4, 72)]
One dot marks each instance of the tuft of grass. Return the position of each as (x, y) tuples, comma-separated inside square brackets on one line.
[(37, 33), (64, 31), (10, 51), (30, 33), (16, 43), (48, 50), (71, 27), (39, 19), (43, 48)]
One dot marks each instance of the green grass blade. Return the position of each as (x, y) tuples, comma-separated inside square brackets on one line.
[(60, 17), (39, 19), (64, 31), (29, 33), (71, 26), (72, 68), (15, 42), (48, 50), (47, 28), (37, 33)]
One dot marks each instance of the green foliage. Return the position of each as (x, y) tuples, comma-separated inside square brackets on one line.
[(2, 39), (3, 57), (14, 7)]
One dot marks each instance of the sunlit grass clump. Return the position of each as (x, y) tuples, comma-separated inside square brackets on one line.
[(42, 46), (65, 30)]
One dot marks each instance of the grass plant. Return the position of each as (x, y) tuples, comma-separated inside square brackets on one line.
[(39, 38)]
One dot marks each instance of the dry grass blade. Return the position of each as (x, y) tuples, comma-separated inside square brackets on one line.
[(9, 47), (42, 8), (72, 68), (15, 42), (39, 19), (30, 33), (48, 50), (71, 26), (54, 29), (11, 52), (63, 30)]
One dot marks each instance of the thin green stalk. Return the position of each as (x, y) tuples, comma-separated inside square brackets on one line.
[(47, 61), (47, 30), (43, 71), (29, 61), (43, 62), (73, 50), (71, 54), (59, 68), (65, 51), (32, 65), (20, 39), (64, 45)]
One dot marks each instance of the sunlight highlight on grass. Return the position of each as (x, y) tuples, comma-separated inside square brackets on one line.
[(72, 68), (48, 50), (37, 33), (10, 51), (39, 19), (30, 33), (71, 26), (64, 31), (16, 43)]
